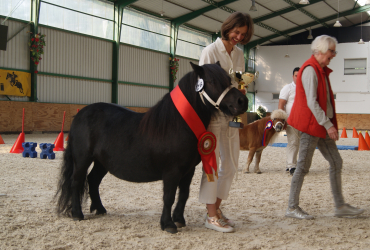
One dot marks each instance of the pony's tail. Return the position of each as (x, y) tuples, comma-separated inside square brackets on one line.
[(64, 190)]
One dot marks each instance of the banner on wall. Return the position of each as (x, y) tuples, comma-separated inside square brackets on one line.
[(16, 83)]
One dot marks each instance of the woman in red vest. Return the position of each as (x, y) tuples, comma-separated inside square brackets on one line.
[(313, 114)]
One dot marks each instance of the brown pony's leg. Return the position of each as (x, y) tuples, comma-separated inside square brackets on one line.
[(250, 158), (257, 162)]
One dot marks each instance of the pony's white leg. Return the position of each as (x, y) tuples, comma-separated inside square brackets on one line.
[(250, 158), (257, 162)]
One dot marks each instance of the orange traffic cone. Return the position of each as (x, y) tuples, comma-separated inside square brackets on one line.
[(367, 139), (1, 140), (362, 145), (355, 134), (17, 147), (344, 133), (59, 142)]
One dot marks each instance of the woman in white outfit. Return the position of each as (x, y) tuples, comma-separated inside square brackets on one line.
[(237, 28)]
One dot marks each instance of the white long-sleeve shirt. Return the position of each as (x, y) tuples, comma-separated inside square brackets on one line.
[(217, 52)]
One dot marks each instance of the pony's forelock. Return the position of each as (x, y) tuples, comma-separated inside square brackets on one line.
[(279, 114)]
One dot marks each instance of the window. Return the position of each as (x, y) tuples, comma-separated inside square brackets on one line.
[(145, 31), (275, 96), (16, 9), (190, 43), (355, 66), (250, 97), (67, 15), (252, 60)]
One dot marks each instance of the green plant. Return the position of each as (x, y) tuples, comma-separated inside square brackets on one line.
[(36, 44), (174, 67), (261, 112)]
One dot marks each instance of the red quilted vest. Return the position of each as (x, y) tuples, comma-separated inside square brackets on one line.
[(301, 116)]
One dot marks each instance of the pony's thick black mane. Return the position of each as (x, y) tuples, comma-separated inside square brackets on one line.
[(160, 119)]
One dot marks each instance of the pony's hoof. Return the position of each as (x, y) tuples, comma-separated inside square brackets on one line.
[(259, 172), (78, 218), (179, 224), (246, 172), (100, 213), (170, 230)]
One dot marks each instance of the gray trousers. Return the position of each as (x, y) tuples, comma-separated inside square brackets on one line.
[(329, 150)]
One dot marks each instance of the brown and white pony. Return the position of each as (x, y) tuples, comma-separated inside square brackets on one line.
[(257, 135)]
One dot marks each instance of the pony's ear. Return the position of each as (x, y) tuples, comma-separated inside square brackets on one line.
[(198, 70), (218, 63)]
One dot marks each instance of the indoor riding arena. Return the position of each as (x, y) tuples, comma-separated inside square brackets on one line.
[(57, 58)]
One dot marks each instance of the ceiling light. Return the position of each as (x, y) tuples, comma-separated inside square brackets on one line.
[(310, 34), (287, 56), (253, 7), (162, 12), (337, 24), (258, 46), (361, 41), (304, 2)]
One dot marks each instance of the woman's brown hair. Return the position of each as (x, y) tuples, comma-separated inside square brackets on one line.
[(236, 20)]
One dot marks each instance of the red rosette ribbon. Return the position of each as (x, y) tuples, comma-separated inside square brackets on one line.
[(206, 147), (269, 125)]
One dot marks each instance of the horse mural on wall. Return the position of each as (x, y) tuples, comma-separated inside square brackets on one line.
[(257, 135), (14, 81), (143, 147)]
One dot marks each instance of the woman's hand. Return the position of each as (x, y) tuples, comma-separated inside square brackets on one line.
[(333, 133)]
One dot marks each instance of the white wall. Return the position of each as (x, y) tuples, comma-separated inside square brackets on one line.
[(352, 91)]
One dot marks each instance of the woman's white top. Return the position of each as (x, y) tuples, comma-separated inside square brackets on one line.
[(217, 52)]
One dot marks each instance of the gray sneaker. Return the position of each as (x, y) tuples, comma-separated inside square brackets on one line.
[(348, 210), (298, 213)]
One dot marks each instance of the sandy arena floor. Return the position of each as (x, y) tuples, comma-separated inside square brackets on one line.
[(257, 203)]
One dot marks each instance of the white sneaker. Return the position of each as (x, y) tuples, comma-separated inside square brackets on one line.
[(298, 213), (222, 216), (348, 210), (218, 224)]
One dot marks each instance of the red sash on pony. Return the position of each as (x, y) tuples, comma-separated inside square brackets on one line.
[(206, 140)]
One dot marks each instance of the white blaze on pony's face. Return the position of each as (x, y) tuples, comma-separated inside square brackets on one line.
[(279, 118)]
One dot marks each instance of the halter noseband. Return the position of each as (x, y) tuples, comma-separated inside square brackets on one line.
[(274, 126), (199, 88)]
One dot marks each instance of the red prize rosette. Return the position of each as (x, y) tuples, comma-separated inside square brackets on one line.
[(206, 143), (206, 147)]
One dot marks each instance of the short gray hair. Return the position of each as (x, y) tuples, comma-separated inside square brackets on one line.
[(323, 43)]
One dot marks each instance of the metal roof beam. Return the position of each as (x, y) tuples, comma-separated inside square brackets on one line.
[(272, 29), (305, 12), (124, 3), (329, 18), (214, 5), (283, 11)]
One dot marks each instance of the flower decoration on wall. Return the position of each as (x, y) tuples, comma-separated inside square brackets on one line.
[(36, 44), (174, 67)]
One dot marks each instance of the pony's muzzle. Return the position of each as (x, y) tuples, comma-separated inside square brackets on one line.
[(243, 103), (278, 128)]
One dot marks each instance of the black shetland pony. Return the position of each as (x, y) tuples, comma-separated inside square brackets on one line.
[(142, 147)]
